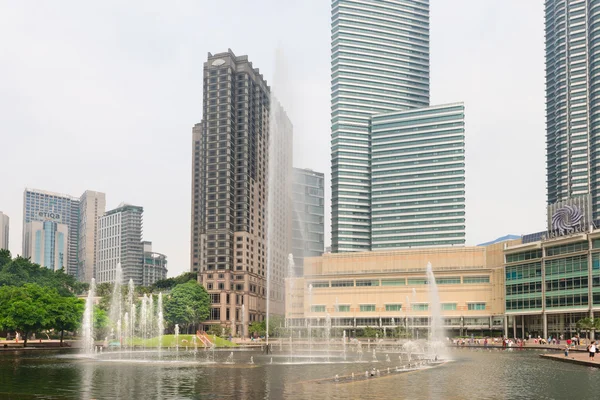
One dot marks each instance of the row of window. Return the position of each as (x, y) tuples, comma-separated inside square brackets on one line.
[(399, 282), (398, 307)]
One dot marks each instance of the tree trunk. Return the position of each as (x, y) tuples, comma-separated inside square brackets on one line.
[(62, 333), (25, 334)]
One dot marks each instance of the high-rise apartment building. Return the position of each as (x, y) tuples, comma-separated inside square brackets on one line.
[(43, 206), (47, 243), (4, 230), (120, 241), (236, 229), (91, 207), (308, 224), (418, 178), (380, 71), (155, 265), (572, 88)]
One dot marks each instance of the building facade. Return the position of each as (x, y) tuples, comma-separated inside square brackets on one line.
[(572, 130), (155, 265), (4, 230), (308, 219), (389, 289), (236, 229), (198, 228), (551, 284), (42, 206), (120, 241), (92, 206), (47, 243), (418, 178)]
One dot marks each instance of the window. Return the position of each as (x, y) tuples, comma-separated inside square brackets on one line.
[(367, 307), (476, 306), (448, 306), (367, 283), (420, 307), (393, 282), (342, 283), (448, 281), (321, 284), (393, 307), (343, 308), (417, 281), (476, 279), (319, 308)]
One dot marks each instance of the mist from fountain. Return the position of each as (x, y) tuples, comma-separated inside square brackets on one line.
[(88, 320)]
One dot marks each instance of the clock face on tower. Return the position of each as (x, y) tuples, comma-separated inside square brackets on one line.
[(218, 62)]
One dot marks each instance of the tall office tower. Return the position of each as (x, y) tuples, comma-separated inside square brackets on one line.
[(198, 236), (47, 243), (418, 178), (120, 240), (42, 206), (308, 225), (379, 63), (155, 265), (91, 207), (572, 85), (4, 231), (231, 183)]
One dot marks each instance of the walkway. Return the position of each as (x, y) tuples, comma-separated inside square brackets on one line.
[(580, 358)]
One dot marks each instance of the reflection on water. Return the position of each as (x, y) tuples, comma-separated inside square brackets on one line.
[(481, 374)]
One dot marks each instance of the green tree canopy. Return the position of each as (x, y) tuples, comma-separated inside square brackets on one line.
[(188, 304), (170, 283), (27, 308), (66, 313), (18, 271)]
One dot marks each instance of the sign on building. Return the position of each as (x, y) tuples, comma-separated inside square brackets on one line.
[(569, 216)]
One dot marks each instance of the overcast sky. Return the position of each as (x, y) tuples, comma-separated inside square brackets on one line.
[(103, 96)]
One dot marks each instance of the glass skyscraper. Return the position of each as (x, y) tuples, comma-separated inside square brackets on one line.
[(380, 67), (573, 100), (379, 63)]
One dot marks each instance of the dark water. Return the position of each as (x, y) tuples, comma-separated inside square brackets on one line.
[(473, 374)]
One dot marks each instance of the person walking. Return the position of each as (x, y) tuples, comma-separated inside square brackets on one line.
[(592, 350)]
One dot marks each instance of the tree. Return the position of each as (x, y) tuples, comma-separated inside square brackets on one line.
[(257, 328), (26, 308), (66, 312), (188, 304), (170, 283), (588, 324)]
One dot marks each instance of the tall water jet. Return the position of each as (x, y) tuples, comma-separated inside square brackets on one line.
[(116, 303), (88, 320), (160, 323), (437, 327)]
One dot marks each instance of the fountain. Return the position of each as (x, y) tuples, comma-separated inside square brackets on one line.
[(88, 320)]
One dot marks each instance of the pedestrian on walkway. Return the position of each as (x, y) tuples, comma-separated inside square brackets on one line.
[(592, 350)]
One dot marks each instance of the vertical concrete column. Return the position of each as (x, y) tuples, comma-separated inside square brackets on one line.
[(514, 321), (545, 325), (522, 327), (505, 325)]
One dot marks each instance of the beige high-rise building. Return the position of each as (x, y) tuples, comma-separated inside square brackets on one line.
[(241, 194), (92, 206), (4, 225)]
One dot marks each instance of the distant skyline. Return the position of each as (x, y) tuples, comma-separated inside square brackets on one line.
[(103, 96)]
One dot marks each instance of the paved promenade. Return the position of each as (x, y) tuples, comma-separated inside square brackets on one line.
[(579, 357)]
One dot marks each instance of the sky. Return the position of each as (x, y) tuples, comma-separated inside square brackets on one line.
[(103, 96)]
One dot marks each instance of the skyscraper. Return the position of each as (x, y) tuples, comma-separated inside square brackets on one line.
[(382, 174), (91, 207), (155, 265), (120, 241), (42, 206), (572, 86), (379, 63), (231, 225), (308, 225), (418, 178), (4, 230)]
